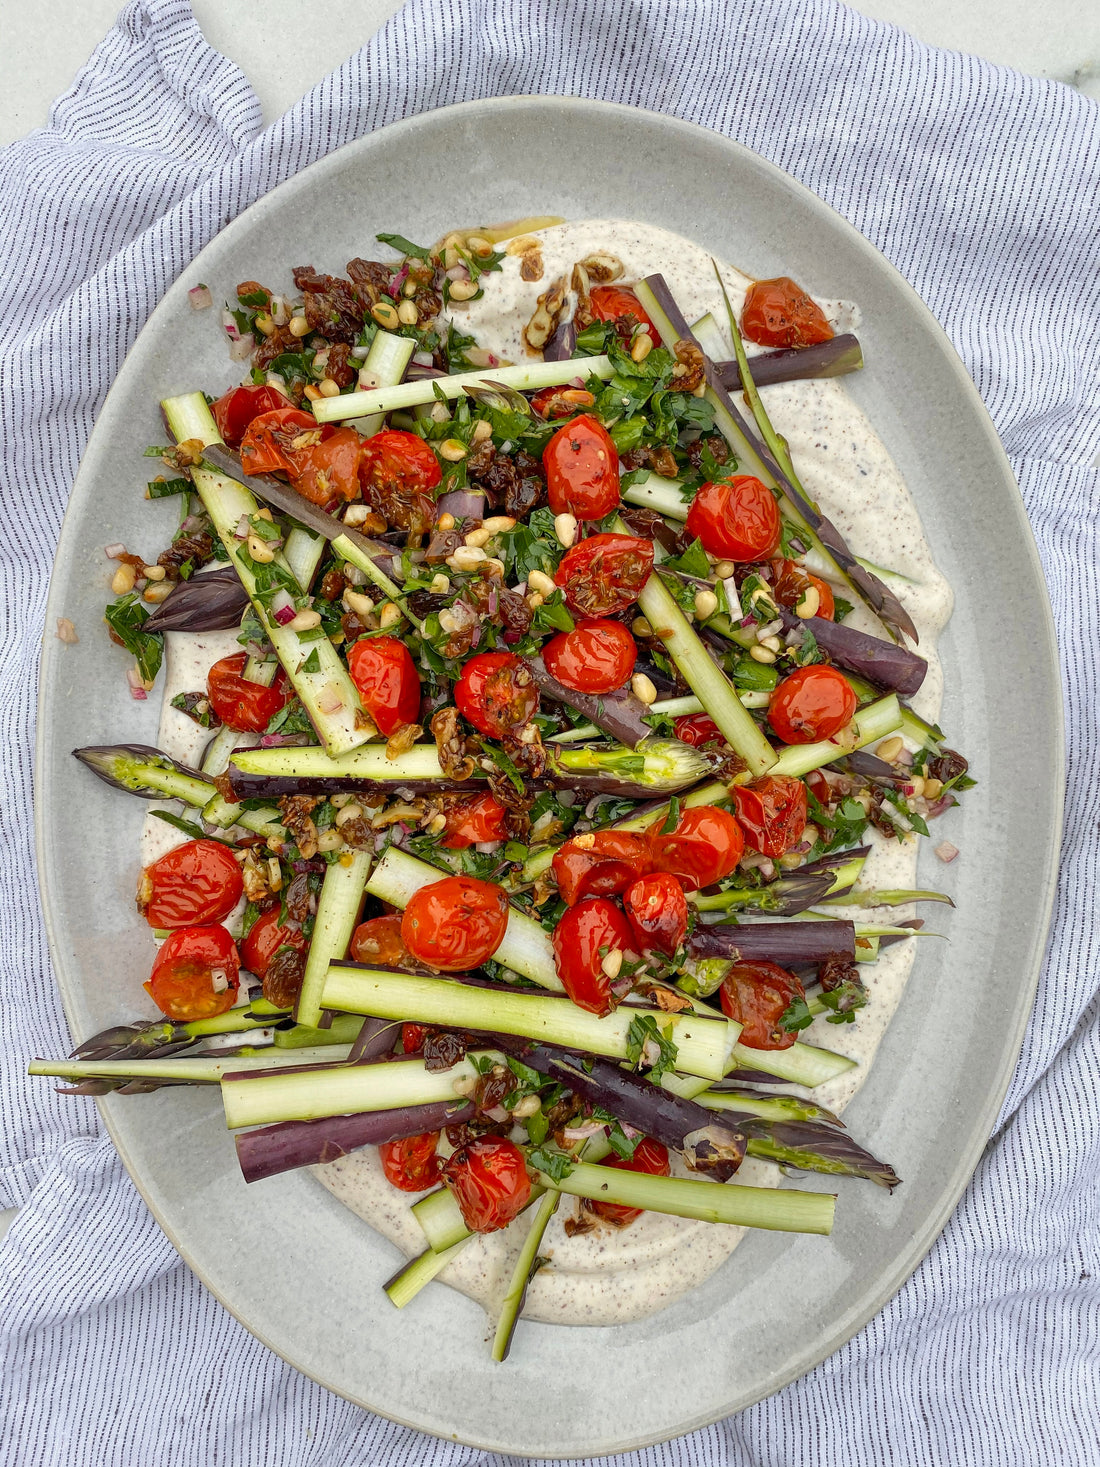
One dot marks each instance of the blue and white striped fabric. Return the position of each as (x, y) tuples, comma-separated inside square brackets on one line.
[(981, 185)]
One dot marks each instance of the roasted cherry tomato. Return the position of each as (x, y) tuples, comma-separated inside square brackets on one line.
[(412, 1163), (386, 680), (274, 442), (790, 583), (496, 694), (235, 409), (578, 939), (757, 995), (780, 313), (398, 472), (616, 303), (812, 703), (650, 1157), (473, 821), (413, 1037), (559, 402), (595, 657), (456, 923), (240, 704), (265, 938), (737, 519), (330, 469), (489, 1180), (697, 729), (196, 974), (378, 943), (195, 883), (771, 811), (582, 470), (599, 863), (604, 574), (705, 846), (656, 909)]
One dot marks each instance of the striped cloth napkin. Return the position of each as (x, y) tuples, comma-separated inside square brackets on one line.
[(981, 186)]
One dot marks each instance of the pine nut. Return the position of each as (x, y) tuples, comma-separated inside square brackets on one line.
[(357, 602), (495, 568), (613, 962), (440, 585), (809, 603), (406, 313), (772, 643), (539, 581), (889, 749), (479, 538), (478, 246), (305, 621), (264, 324), (274, 874), (453, 450), (330, 840), (916, 786), (466, 558), (437, 824), (933, 789), (761, 654), (410, 288), (706, 604), (329, 388), (339, 801), (445, 522), (499, 524), (565, 528), (642, 347), (482, 430), (451, 257), (791, 861), (312, 392), (641, 627), (153, 572), (761, 599), (264, 514), (260, 551), (642, 688), (385, 313), (389, 615), (159, 591), (811, 835), (123, 579), (299, 326), (535, 599), (349, 812), (724, 569), (530, 1105), (463, 290)]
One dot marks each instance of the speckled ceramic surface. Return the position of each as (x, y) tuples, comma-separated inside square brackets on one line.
[(298, 1269)]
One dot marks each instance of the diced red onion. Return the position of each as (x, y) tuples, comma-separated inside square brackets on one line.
[(321, 359), (769, 629), (241, 350), (66, 632), (581, 1132), (282, 607), (398, 281), (359, 353), (946, 851), (512, 637), (278, 310), (230, 325), (354, 575), (137, 686), (458, 272), (199, 298), (496, 1113), (423, 358), (486, 847), (937, 807), (114, 551), (243, 527), (492, 603), (592, 806)]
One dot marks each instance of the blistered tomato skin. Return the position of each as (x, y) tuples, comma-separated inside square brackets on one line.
[(473, 822), (378, 943), (616, 303), (330, 469), (265, 938), (772, 811), (599, 863), (397, 472), (495, 692), (456, 923), (489, 1180), (656, 909), (736, 519), (790, 583), (235, 410), (386, 680), (705, 846), (779, 313), (604, 574), (412, 1163), (812, 703), (583, 931), (269, 444), (582, 470), (757, 995), (193, 884), (245, 706), (697, 729), (196, 974), (596, 657), (650, 1157)]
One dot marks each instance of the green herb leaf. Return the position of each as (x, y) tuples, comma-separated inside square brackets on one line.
[(404, 246), (644, 1030), (556, 1164), (126, 617)]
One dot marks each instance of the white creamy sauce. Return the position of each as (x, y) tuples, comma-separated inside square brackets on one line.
[(611, 1276)]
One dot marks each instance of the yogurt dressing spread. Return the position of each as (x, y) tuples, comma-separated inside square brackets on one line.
[(609, 1276)]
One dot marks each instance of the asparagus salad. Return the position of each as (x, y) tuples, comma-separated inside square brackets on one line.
[(545, 750)]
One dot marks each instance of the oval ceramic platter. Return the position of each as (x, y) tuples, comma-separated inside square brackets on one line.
[(779, 1304)]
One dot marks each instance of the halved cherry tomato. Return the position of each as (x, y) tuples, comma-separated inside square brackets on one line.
[(757, 995), (240, 704), (780, 313), (583, 931), (235, 409), (705, 846), (412, 1163), (397, 472), (274, 441), (812, 703), (771, 811), (656, 909), (650, 1157), (379, 943), (474, 821), (488, 1177), (196, 974), (456, 923), (604, 574), (195, 883), (697, 729), (616, 303), (595, 657), (386, 680), (737, 519), (790, 583), (265, 938), (330, 469), (496, 693), (599, 863), (582, 470)]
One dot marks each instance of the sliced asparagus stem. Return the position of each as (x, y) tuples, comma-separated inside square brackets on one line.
[(870, 724), (522, 1274), (526, 948), (328, 694), (885, 898), (403, 1288), (172, 1067), (410, 394), (304, 552), (386, 361), (338, 909), (802, 1064), (703, 1044), (344, 1029), (663, 495), (767, 1107), (834, 358)]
